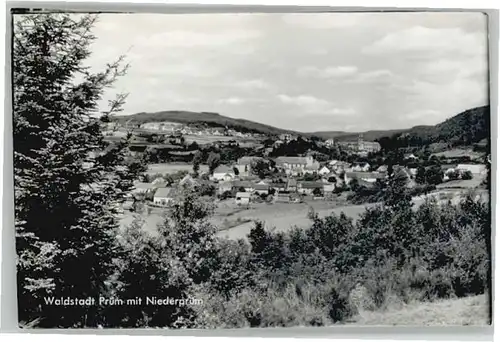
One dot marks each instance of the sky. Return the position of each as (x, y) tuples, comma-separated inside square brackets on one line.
[(304, 72)]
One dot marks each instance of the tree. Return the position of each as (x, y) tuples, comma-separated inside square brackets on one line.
[(434, 175), (169, 265), (467, 175), (66, 175), (317, 192), (261, 168), (213, 161), (420, 176), (397, 192), (197, 159)]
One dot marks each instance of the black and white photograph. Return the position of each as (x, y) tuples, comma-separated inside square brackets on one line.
[(251, 169)]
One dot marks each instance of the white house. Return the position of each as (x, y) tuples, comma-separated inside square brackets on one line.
[(294, 165), (223, 173), (163, 196), (361, 167), (242, 198), (324, 171)]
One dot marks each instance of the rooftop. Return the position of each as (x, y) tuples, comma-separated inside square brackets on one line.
[(164, 192), (243, 194)]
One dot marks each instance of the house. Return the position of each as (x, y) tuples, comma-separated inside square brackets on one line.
[(261, 188), (286, 137), (159, 181), (311, 169), (223, 173), (246, 185), (330, 143), (278, 186), (411, 156), (291, 185), (328, 187), (244, 165), (368, 146), (188, 180), (242, 198), (370, 177), (308, 188), (143, 188), (294, 165), (475, 169), (338, 166), (282, 197), (163, 196), (324, 171), (382, 168), (361, 167)]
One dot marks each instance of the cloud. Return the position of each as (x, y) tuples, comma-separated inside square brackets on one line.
[(190, 39), (419, 39), (323, 21), (374, 76), (252, 84), (232, 101), (329, 72), (303, 100), (313, 105)]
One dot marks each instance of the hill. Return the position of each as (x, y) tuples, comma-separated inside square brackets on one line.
[(207, 119), (465, 129)]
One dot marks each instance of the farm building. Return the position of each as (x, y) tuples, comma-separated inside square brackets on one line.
[(248, 186), (309, 187), (261, 188), (163, 196), (282, 197), (223, 173), (242, 198), (366, 176)]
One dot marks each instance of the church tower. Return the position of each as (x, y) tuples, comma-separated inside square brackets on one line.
[(360, 142)]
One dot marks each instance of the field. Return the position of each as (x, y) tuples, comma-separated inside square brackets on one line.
[(172, 168), (457, 153), (475, 182), (449, 312)]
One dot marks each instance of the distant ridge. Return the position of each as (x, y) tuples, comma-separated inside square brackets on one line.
[(202, 118), (468, 127)]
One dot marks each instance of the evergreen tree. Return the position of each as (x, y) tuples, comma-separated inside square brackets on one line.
[(68, 180)]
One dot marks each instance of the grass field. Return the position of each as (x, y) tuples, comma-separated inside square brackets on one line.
[(172, 168), (462, 183), (456, 153), (235, 222), (281, 216), (449, 312)]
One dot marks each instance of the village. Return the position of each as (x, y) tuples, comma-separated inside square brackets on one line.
[(256, 184)]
